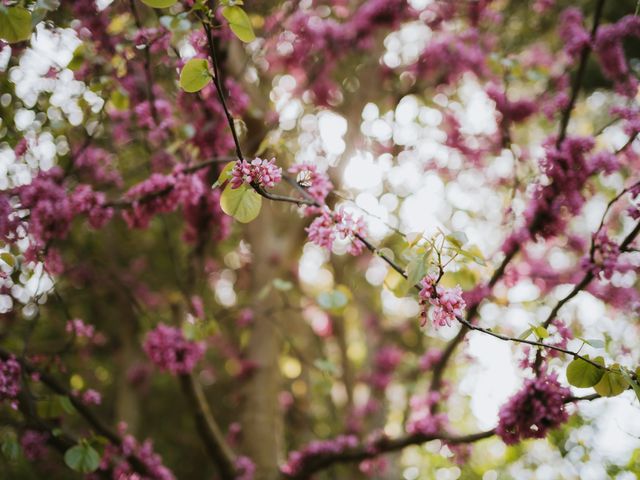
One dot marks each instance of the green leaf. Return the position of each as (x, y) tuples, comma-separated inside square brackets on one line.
[(159, 3), (242, 203), (582, 374), (631, 381), (540, 331), (612, 383), (225, 174), (10, 447), (82, 458), (15, 24), (594, 342), (195, 75), (239, 23), (8, 259), (525, 334), (457, 239)]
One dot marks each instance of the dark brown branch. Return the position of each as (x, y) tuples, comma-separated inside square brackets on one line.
[(207, 427)]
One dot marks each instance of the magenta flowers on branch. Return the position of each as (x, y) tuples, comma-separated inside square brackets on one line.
[(264, 173)]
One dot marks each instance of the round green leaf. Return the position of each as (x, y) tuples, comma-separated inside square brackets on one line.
[(242, 203), (611, 384), (159, 3), (225, 174), (584, 375), (239, 23), (82, 458), (195, 75), (15, 24)]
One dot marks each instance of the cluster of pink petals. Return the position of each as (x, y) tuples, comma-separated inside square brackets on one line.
[(318, 448), (385, 363), (34, 444), (422, 420), (170, 351), (431, 358), (610, 50), (114, 459), (511, 110), (317, 183), (80, 329), (329, 226), (537, 408), (10, 380), (91, 397), (572, 32), (447, 303), (264, 173), (245, 468), (606, 255)]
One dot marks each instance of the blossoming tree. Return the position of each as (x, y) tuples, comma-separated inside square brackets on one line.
[(283, 240)]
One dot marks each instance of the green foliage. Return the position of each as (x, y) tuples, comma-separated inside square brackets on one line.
[(195, 75), (15, 24), (10, 447), (612, 383), (239, 23), (82, 458), (241, 203), (582, 374), (160, 3)]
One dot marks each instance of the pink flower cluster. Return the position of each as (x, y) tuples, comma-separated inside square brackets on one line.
[(568, 169), (534, 410), (450, 55), (316, 183), (572, 32), (606, 255), (165, 193), (610, 51), (115, 459), (80, 329), (309, 35), (10, 380), (167, 348), (34, 444), (91, 397), (431, 358), (318, 448), (422, 420), (447, 303), (328, 226), (264, 173), (384, 364), (511, 110), (245, 468)]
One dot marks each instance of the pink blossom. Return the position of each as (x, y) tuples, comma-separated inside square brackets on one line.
[(315, 182), (329, 226), (92, 397), (430, 359), (80, 329), (245, 468), (167, 348), (264, 173), (537, 408), (421, 418), (34, 444), (317, 449), (10, 380), (447, 303), (608, 46), (572, 32)]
